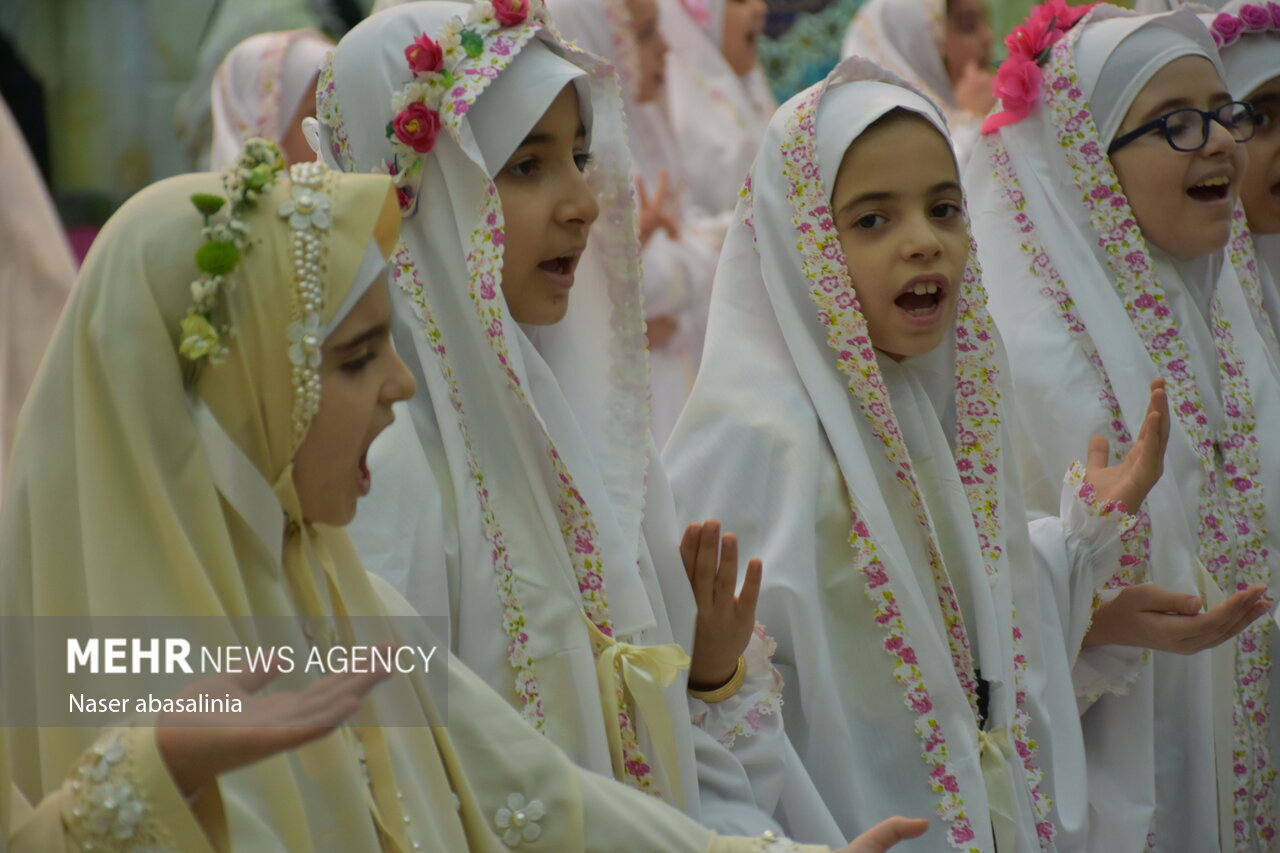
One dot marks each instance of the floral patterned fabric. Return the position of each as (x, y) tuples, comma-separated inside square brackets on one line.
[(1083, 283)]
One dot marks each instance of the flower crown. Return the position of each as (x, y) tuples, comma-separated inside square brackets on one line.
[(205, 327), (1252, 18), (436, 66), (1019, 81)]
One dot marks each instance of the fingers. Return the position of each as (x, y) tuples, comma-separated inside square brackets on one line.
[(1097, 458), (664, 183), (253, 681), (727, 573), (1156, 599), (642, 191), (887, 833), (751, 587), (689, 549)]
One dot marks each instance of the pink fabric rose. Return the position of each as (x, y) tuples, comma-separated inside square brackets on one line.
[(417, 126), (1017, 86), (511, 12), (424, 55), (1255, 18), (1274, 8), (1227, 28)]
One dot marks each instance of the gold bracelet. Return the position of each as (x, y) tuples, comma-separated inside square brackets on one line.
[(730, 687)]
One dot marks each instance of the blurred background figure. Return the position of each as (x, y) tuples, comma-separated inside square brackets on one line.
[(36, 274), (265, 87), (942, 47)]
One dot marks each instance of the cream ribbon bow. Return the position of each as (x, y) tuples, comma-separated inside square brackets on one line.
[(641, 673), (996, 751)]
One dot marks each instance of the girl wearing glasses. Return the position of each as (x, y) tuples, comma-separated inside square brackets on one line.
[(1105, 201)]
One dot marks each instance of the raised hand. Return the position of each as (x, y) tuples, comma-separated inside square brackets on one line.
[(1157, 618), (266, 725), (652, 212), (725, 620), (1131, 479), (886, 834)]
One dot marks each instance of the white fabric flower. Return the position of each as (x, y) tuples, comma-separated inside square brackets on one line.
[(519, 820), (304, 341), (306, 209)]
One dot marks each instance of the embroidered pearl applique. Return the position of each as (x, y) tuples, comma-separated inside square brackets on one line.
[(520, 820), (308, 213), (106, 805)]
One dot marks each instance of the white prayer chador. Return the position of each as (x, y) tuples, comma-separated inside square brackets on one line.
[(528, 504), (1091, 313), (719, 116), (257, 89), (677, 272), (1252, 60), (905, 36), (875, 493)]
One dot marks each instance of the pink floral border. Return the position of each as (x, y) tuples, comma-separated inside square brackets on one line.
[(1232, 494), (977, 460)]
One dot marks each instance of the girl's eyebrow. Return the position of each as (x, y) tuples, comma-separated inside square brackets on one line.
[(363, 337), (540, 138), (885, 195)]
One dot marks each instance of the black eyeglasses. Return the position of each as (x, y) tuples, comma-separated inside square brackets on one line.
[(1187, 129)]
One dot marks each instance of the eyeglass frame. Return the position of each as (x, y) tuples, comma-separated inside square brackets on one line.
[(1206, 116)]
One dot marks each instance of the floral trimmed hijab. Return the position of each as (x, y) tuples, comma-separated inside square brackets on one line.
[(932, 617), (1049, 210)]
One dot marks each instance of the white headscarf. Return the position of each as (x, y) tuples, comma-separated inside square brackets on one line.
[(524, 493), (891, 574), (258, 87), (905, 36), (719, 117), (1091, 313)]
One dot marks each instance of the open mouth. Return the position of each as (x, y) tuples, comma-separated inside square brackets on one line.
[(921, 299), (1211, 189), (366, 479), (560, 270)]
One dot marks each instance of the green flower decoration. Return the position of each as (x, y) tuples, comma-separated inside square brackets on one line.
[(199, 337), (207, 203), (259, 176), (217, 258), (472, 43)]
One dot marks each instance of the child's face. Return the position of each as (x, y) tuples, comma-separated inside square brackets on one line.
[(743, 24), (1260, 189), (902, 230), (548, 209), (360, 377), (1183, 200), (968, 37), (651, 47)]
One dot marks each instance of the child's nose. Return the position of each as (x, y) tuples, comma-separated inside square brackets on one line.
[(579, 204)]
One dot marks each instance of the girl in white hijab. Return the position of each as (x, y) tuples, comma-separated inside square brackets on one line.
[(1114, 269), (265, 87), (720, 102), (848, 415), (1248, 35), (679, 248), (942, 47), (529, 504)]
